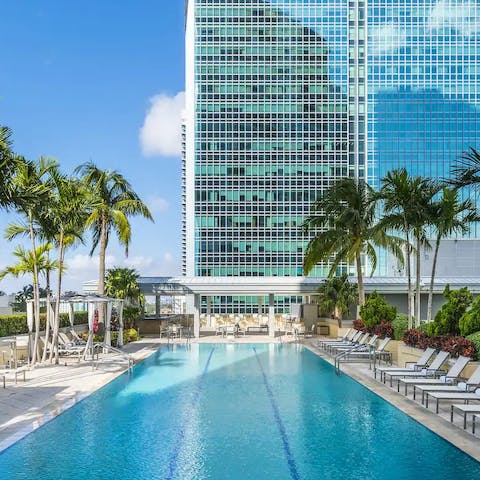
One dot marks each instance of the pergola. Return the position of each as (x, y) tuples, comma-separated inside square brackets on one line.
[(93, 301)]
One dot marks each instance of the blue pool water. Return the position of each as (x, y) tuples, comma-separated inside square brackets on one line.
[(234, 412)]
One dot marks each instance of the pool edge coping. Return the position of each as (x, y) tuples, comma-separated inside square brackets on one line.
[(459, 438)]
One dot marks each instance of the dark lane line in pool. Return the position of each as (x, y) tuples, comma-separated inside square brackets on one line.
[(276, 413), (173, 465)]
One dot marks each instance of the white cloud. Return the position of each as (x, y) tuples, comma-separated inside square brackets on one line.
[(462, 16), (157, 204), (387, 38), (161, 131)]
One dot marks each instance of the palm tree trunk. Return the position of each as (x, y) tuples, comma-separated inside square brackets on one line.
[(36, 292), (432, 280), (409, 282), (48, 316), (56, 325), (361, 289), (101, 274), (417, 285)]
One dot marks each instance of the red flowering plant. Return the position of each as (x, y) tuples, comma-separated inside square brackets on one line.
[(453, 344), (359, 325), (414, 338), (383, 329)]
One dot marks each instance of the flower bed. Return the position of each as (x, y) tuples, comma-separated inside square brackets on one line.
[(455, 345)]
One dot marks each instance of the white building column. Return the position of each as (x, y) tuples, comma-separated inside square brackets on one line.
[(157, 305), (271, 315), (209, 310), (196, 315), (260, 305)]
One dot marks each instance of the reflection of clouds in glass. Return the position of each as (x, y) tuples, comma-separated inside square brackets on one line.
[(387, 38), (463, 16)]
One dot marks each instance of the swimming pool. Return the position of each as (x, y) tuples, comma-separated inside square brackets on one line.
[(229, 411)]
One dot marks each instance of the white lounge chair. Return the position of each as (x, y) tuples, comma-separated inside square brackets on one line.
[(329, 348), (447, 383), (465, 409), (348, 334), (335, 349), (433, 370), (465, 396), (422, 362)]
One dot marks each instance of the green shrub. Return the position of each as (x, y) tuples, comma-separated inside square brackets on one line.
[(400, 326), (446, 321), (376, 310), (17, 324), (470, 321), (475, 339), (129, 335)]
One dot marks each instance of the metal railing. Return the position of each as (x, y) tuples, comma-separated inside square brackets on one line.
[(101, 348)]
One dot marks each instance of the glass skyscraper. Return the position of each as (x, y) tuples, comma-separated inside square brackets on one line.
[(284, 97)]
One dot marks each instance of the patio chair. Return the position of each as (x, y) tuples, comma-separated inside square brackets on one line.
[(433, 370), (465, 410), (370, 352), (348, 335), (343, 348), (76, 338), (422, 362), (348, 342), (447, 383), (230, 329), (357, 340), (465, 396), (15, 371)]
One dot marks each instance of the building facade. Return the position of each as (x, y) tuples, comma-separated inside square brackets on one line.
[(284, 97)]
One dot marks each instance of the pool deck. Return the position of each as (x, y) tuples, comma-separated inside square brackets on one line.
[(50, 390)]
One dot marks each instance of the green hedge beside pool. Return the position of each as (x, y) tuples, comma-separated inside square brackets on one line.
[(17, 324)]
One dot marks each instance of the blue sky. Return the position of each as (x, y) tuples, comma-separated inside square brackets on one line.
[(78, 82)]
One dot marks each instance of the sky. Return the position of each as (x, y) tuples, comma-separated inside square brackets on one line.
[(101, 81)]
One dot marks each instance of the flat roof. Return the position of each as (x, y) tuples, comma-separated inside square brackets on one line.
[(263, 286)]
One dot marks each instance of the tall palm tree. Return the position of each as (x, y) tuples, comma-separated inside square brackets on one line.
[(113, 202), (66, 216), (407, 206), (345, 225), (8, 162), (466, 172), (451, 216), (30, 194)]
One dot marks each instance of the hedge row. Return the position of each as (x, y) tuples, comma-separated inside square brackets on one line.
[(17, 324)]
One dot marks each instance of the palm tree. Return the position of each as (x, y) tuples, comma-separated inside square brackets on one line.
[(408, 208), (7, 167), (35, 264), (336, 295), (344, 222), (123, 283), (66, 216), (113, 202), (467, 170), (451, 216), (30, 194)]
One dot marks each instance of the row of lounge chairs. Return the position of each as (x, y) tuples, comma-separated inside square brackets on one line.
[(428, 376), (356, 346)]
